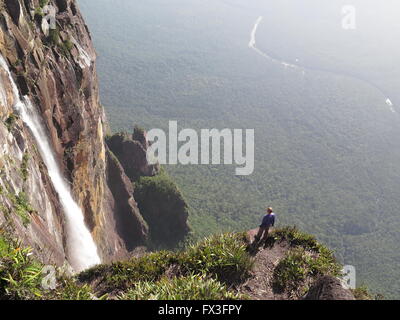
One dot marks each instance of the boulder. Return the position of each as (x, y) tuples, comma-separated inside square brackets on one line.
[(328, 288)]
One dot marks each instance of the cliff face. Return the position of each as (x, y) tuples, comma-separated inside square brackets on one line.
[(55, 68)]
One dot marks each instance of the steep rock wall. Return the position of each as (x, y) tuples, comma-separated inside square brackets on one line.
[(56, 69)]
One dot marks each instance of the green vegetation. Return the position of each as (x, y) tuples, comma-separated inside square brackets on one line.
[(24, 166), (300, 264), (54, 37), (22, 207), (364, 293), (121, 276), (39, 10), (21, 276), (161, 203), (43, 3), (307, 258), (211, 270), (224, 256), (69, 289), (292, 270), (215, 260), (66, 47), (160, 184), (295, 237), (10, 121), (163, 207), (196, 287)]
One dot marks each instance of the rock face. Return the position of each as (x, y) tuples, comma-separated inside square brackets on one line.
[(55, 68), (164, 209), (272, 280), (129, 222), (131, 152)]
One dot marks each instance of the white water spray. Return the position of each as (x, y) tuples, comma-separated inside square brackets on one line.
[(81, 249)]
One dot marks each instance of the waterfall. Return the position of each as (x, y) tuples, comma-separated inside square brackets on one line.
[(81, 249)]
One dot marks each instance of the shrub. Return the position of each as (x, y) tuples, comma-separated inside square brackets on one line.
[(66, 47), (223, 256), (54, 37), (69, 289), (291, 271), (24, 166), (325, 263), (20, 276), (295, 237), (43, 3), (120, 276), (193, 287), (363, 293), (298, 264), (39, 12), (21, 207), (10, 121)]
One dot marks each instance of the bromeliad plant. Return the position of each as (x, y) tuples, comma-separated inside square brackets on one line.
[(20, 276), (224, 256), (192, 287)]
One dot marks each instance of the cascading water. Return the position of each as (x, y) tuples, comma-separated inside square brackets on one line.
[(81, 249)]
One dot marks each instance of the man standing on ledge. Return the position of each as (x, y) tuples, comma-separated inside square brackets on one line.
[(267, 222)]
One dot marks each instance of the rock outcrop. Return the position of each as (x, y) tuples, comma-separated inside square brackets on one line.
[(159, 200), (131, 151), (164, 209), (129, 222), (285, 268), (328, 288)]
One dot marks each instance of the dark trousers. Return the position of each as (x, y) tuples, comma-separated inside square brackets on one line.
[(263, 231)]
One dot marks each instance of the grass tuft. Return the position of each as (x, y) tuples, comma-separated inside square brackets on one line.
[(223, 256), (193, 287)]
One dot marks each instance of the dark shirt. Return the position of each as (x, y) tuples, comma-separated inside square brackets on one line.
[(268, 220)]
